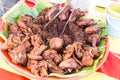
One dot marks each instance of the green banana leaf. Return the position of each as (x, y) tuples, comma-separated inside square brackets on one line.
[(22, 9), (4, 35)]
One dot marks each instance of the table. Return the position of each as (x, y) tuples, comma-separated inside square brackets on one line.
[(5, 5), (114, 46)]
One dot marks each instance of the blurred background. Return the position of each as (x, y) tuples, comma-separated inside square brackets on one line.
[(5, 5)]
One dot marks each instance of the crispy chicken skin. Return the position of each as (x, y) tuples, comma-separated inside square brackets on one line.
[(56, 43)]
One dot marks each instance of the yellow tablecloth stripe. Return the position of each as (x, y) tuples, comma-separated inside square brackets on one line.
[(114, 44)]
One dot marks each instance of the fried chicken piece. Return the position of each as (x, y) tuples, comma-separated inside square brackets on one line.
[(65, 13), (41, 18), (34, 57), (21, 24), (13, 28), (18, 55), (44, 12), (68, 52), (23, 27), (78, 49), (87, 59), (38, 67), (52, 55), (26, 26), (75, 15), (52, 12), (94, 51), (17, 48), (84, 22), (69, 64), (56, 43), (54, 69), (67, 40), (43, 67), (32, 65), (8, 44), (92, 29), (43, 72), (36, 40), (36, 52), (11, 42), (94, 39), (26, 43), (77, 60), (43, 63), (35, 28)]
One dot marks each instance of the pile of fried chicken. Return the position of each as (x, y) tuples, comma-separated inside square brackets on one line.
[(43, 51)]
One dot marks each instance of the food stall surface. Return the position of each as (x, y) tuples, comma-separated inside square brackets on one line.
[(5, 5)]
